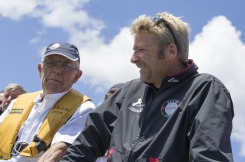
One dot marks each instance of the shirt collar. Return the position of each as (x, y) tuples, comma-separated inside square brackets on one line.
[(170, 80), (55, 97)]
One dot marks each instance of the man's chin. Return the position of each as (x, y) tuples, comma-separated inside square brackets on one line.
[(55, 88), (144, 80)]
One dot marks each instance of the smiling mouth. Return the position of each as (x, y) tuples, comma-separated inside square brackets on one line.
[(55, 80), (139, 66)]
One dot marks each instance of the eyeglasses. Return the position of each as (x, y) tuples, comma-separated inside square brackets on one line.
[(64, 66), (158, 20)]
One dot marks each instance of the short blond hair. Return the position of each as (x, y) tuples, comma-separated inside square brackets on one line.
[(162, 34)]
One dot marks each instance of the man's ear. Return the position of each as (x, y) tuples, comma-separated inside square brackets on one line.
[(39, 66), (172, 49), (77, 76), (169, 51)]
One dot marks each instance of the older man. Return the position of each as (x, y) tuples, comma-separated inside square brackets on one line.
[(1, 101), (11, 92), (46, 122)]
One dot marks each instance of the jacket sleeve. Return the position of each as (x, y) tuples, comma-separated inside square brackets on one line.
[(211, 127), (94, 140)]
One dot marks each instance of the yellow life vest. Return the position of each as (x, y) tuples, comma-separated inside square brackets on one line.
[(56, 118)]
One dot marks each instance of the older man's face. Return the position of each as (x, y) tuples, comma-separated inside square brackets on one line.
[(58, 74), (1, 98), (9, 96)]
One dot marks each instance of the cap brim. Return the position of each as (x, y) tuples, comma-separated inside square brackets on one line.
[(69, 56)]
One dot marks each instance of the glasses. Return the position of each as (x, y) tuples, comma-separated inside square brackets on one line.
[(158, 20), (64, 66)]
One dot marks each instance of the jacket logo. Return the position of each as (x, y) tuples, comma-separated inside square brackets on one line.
[(137, 106), (16, 111), (173, 80), (169, 107)]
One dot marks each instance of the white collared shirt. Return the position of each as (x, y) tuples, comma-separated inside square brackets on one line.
[(67, 133)]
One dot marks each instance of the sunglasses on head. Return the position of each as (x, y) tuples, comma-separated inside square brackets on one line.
[(157, 19)]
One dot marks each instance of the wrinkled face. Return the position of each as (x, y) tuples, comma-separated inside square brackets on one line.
[(1, 98), (58, 73), (9, 96), (146, 58)]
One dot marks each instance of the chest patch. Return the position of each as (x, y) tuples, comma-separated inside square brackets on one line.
[(16, 111), (137, 106), (169, 107)]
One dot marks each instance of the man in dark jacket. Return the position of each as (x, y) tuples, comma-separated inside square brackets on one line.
[(171, 114)]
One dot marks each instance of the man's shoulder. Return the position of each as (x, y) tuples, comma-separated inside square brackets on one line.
[(209, 77), (136, 81), (134, 86)]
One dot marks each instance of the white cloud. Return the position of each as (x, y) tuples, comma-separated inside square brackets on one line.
[(109, 64), (15, 9), (65, 14), (219, 50)]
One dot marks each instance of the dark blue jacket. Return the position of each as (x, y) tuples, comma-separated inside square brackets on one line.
[(189, 119)]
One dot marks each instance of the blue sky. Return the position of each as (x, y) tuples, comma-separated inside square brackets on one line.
[(101, 31)]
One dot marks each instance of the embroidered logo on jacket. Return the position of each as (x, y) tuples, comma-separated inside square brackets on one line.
[(169, 107), (137, 106), (173, 80)]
